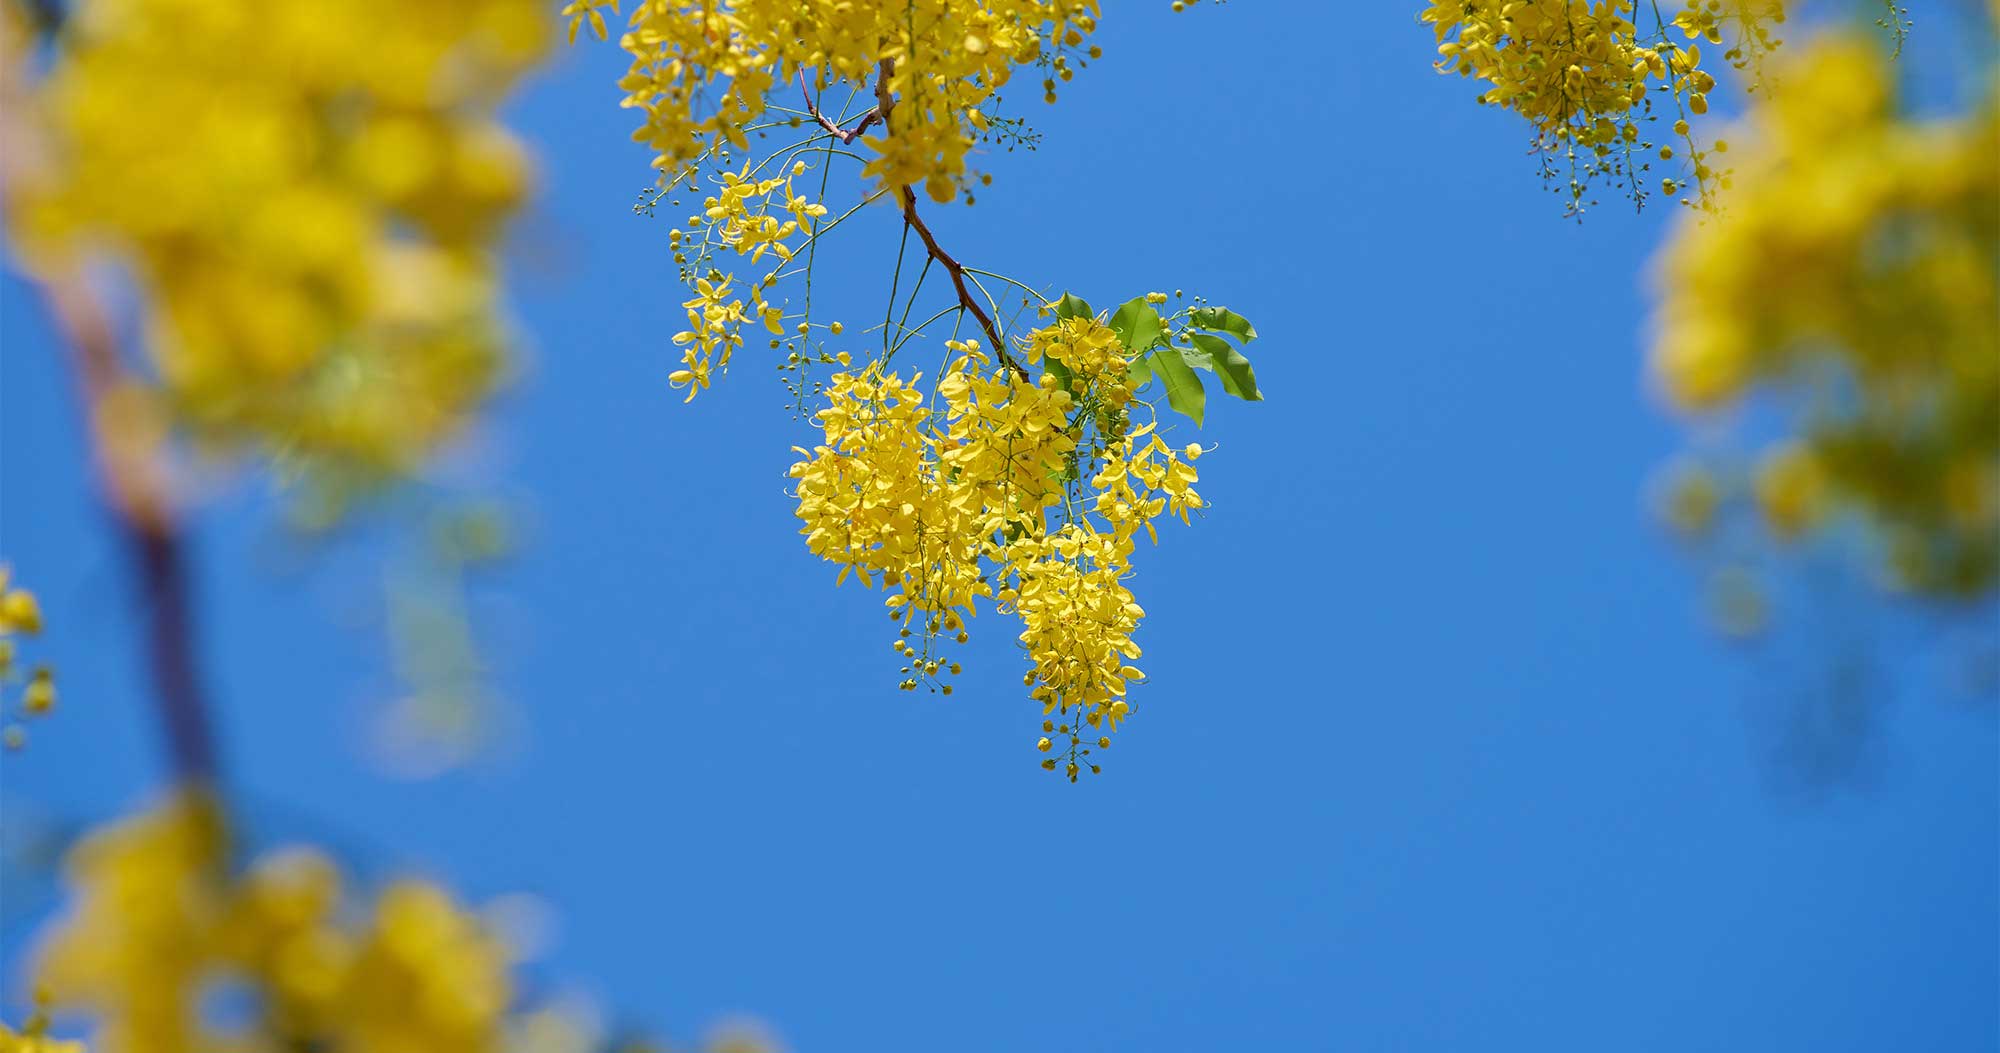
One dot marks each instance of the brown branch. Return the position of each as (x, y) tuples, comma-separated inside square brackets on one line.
[(184, 711), (957, 272), (124, 450), (843, 134), (136, 493), (884, 103)]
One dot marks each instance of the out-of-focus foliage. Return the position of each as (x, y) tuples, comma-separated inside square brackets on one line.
[(34, 1037), (1590, 81), (448, 712), (169, 949), (1855, 277), (308, 197), (20, 615)]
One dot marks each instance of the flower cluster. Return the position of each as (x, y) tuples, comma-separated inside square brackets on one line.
[(158, 924), (1585, 77), (1854, 278), (1028, 494), (980, 487), (702, 73), (34, 1036), (1744, 26), (1088, 349), (1077, 621), (710, 76), (743, 217), (309, 197), (21, 614)]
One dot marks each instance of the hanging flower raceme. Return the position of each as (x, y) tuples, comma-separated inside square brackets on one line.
[(1026, 493), (1855, 276), (1592, 83), (746, 219), (1007, 444), (942, 495), (1077, 622)]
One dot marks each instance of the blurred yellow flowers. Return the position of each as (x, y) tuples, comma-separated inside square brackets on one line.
[(158, 923), (308, 197), (1855, 276)]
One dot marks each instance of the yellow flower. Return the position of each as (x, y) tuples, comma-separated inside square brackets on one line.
[(1580, 72), (21, 613), (1856, 256), (977, 491), (309, 196), (156, 919)]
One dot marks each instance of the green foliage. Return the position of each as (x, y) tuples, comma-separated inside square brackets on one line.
[(1171, 347)]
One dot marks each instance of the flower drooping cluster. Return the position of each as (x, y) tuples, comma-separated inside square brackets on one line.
[(702, 73), (1028, 494), (1855, 277), (977, 488), (1588, 80), (21, 614), (744, 218), (158, 926), (1077, 621), (309, 196)]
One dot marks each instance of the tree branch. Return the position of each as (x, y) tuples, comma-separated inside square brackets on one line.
[(842, 134), (136, 494), (135, 489), (885, 102), (957, 272)]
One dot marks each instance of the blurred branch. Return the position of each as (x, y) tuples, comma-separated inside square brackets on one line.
[(125, 451), (136, 493), (885, 101)]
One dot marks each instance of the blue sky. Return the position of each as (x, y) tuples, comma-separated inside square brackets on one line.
[(1439, 751)]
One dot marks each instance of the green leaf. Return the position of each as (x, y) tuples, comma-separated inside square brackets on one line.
[(1223, 320), (1138, 326), (1071, 306), (1139, 370), (1057, 370), (1183, 387), (1213, 353)]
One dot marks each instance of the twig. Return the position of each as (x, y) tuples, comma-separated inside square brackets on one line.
[(957, 272), (846, 136), (885, 102)]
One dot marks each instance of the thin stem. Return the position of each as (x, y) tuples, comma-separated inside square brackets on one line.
[(907, 334), (889, 312), (1023, 286), (845, 135)]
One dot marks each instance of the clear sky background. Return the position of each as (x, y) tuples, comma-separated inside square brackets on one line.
[(1440, 751)]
